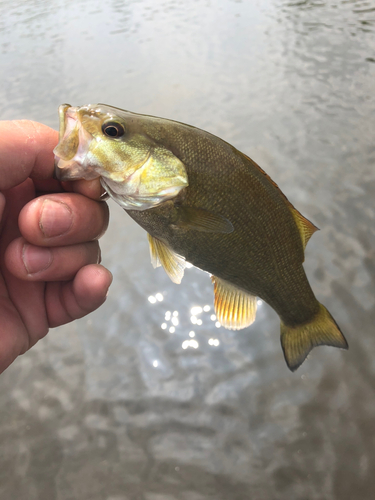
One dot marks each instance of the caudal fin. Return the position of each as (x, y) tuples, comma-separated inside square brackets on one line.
[(298, 341)]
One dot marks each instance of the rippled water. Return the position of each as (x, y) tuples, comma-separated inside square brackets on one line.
[(145, 399)]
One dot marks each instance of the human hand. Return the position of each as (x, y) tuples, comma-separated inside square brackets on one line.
[(49, 253)]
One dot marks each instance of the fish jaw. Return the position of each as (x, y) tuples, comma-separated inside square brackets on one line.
[(72, 151)]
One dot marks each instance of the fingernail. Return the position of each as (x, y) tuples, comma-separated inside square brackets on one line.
[(36, 259), (56, 218)]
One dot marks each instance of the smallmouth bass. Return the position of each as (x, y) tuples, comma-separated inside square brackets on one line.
[(204, 202)]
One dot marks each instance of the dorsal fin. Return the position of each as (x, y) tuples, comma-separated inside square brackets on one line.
[(266, 175), (234, 308), (162, 255), (305, 227)]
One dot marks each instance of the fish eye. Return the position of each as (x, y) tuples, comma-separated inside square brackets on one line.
[(113, 129)]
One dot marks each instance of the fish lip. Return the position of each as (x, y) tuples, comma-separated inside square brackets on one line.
[(64, 173), (62, 119)]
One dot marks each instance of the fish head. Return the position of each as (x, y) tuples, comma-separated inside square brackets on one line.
[(99, 141)]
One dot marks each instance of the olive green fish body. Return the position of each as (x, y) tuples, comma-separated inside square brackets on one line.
[(202, 201), (264, 253)]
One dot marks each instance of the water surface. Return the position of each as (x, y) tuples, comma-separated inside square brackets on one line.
[(146, 399)]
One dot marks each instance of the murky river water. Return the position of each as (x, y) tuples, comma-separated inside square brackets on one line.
[(144, 400)]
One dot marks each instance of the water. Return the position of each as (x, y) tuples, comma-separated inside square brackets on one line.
[(118, 405)]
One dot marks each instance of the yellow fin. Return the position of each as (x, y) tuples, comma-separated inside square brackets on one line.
[(234, 308), (298, 341), (162, 255), (305, 227), (203, 220)]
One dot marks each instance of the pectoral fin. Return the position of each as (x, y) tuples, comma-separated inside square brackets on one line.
[(199, 219), (162, 255), (234, 308)]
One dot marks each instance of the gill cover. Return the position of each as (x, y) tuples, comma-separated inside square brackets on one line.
[(160, 178)]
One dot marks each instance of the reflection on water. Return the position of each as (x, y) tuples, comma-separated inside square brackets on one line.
[(150, 398)]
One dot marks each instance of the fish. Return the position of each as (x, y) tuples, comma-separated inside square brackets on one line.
[(203, 202)]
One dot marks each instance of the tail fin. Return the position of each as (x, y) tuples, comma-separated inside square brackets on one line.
[(298, 341)]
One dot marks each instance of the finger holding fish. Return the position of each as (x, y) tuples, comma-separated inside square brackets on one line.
[(91, 189)]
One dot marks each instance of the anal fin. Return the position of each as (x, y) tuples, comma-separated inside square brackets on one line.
[(162, 255), (234, 308)]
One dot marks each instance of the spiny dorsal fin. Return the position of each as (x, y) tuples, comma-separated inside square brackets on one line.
[(234, 308), (305, 227), (203, 220), (162, 255)]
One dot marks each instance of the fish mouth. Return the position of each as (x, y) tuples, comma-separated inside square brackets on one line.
[(71, 151)]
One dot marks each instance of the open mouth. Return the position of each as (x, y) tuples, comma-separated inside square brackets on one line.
[(71, 151)]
